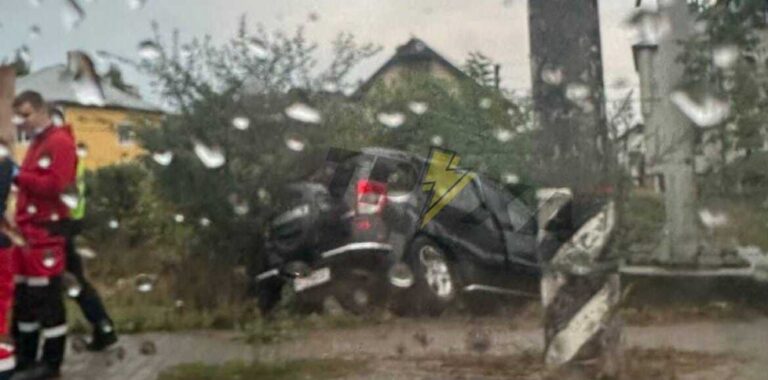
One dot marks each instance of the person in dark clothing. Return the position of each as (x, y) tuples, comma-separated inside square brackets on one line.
[(87, 297)]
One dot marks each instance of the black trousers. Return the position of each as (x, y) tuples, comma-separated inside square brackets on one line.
[(38, 311), (88, 299)]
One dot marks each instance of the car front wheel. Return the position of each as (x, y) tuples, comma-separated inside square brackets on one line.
[(435, 286)]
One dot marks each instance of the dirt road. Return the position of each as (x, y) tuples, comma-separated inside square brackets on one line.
[(455, 348)]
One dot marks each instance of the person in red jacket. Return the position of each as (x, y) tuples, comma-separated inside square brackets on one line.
[(45, 174), (7, 168)]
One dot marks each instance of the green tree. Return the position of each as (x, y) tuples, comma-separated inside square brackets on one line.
[(480, 68)]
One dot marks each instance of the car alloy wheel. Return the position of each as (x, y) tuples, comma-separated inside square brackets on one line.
[(436, 272)]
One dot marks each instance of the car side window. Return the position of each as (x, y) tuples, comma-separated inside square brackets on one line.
[(402, 179)]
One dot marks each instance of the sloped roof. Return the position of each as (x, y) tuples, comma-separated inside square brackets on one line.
[(55, 85), (413, 50)]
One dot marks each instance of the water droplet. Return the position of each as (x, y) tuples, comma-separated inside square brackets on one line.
[(178, 304), (212, 158), (295, 144), (149, 50), (17, 120), (650, 26), (577, 92), (303, 113), (205, 222), (437, 140), (70, 199), (163, 158), (86, 253), (485, 103), (178, 218), (113, 224), (57, 120), (72, 14), (511, 178), (330, 87), (712, 219), (391, 120), (31, 209), (4, 151), (34, 32), (503, 135), (54, 217), (418, 108), (136, 4), (706, 113), (263, 195), (74, 290), (148, 348), (82, 151), (239, 205), (552, 76), (241, 123), (258, 48), (725, 56), (49, 258), (85, 82), (44, 162), (144, 283)]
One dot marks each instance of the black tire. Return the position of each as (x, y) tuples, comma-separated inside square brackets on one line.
[(436, 285)]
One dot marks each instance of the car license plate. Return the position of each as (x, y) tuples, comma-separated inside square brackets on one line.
[(318, 277)]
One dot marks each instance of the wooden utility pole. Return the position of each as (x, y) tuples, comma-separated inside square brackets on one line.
[(580, 290), (7, 93)]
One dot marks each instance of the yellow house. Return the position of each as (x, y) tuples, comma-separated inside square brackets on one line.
[(107, 131)]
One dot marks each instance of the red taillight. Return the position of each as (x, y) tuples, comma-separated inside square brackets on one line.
[(371, 197)]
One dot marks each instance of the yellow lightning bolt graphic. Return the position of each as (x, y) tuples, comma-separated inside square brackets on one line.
[(444, 180)]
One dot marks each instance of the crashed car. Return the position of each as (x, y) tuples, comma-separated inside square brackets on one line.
[(355, 231)]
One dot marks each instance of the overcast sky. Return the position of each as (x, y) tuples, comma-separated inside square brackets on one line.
[(498, 28)]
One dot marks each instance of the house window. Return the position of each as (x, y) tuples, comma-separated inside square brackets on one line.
[(125, 134)]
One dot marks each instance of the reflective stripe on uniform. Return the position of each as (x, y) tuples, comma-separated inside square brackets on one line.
[(38, 281), (7, 364), (29, 327), (55, 332)]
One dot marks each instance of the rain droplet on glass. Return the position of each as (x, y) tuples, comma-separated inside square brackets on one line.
[(437, 140), (211, 157), (34, 32), (708, 112), (503, 135), (144, 283), (205, 222), (330, 87), (303, 113), (113, 224), (163, 158), (418, 108), (650, 26), (725, 56), (178, 218), (17, 120), (136, 4), (85, 81), (57, 121), (149, 50), (239, 206), (72, 14), (4, 151), (54, 217), (241, 123), (82, 152), (294, 144), (552, 76), (49, 259), (485, 103), (511, 178), (86, 253), (577, 92), (258, 48), (263, 194), (391, 120), (31, 209), (44, 162)]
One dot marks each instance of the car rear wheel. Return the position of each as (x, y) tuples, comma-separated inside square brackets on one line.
[(436, 284)]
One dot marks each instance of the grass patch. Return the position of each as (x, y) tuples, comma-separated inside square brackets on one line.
[(316, 369)]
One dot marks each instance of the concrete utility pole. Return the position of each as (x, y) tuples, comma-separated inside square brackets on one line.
[(568, 93), (579, 290), (669, 133), (7, 94)]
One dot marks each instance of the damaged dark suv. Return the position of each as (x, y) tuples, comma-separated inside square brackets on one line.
[(354, 230)]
